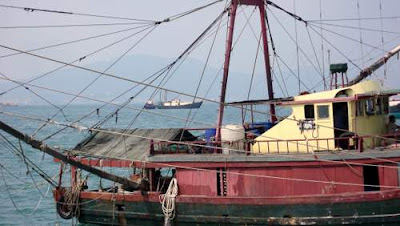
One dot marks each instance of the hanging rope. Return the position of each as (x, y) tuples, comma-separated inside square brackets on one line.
[(167, 201)]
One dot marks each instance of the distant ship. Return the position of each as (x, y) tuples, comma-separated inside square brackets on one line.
[(173, 104), (8, 104)]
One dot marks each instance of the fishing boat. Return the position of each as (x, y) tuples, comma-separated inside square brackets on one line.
[(175, 103), (332, 161)]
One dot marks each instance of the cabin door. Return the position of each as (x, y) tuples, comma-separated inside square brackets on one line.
[(341, 123)]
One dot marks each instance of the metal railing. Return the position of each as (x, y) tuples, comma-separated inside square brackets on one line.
[(247, 146)]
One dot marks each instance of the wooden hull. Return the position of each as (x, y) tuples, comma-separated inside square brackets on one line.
[(369, 208)]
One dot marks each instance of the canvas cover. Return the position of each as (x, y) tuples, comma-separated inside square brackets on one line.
[(134, 145)]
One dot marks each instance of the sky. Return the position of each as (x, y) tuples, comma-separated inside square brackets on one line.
[(168, 40)]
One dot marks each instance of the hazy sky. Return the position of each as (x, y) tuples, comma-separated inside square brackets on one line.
[(170, 39)]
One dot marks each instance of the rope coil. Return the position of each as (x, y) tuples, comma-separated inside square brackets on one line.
[(167, 201)]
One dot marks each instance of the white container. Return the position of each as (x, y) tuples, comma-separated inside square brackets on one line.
[(232, 133)]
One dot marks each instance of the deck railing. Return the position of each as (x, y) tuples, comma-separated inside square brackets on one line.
[(247, 146), (196, 147)]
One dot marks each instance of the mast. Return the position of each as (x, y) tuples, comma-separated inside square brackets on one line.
[(266, 61), (234, 4), (228, 51)]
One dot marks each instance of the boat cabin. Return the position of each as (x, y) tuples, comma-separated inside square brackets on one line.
[(344, 118)]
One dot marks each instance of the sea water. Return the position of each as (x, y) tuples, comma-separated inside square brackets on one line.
[(25, 198)]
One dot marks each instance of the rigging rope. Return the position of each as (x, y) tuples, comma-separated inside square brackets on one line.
[(352, 19), (352, 27), (315, 54), (29, 9), (13, 201), (361, 37), (382, 38), (281, 75), (297, 46), (322, 47), (285, 11), (203, 72), (294, 41), (179, 59), (333, 46), (177, 16), (156, 113), (38, 95), (152, 22), (201, 123), (101, 74), (71, 62), (254, 67), (200, 145), (13, 149), (75, 41), (27, 161), (95, 71), (65, 26), (276, 60)]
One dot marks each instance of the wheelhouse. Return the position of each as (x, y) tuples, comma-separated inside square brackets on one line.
[(345, 118)]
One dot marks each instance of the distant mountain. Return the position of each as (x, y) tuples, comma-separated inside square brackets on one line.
[(135, 67)]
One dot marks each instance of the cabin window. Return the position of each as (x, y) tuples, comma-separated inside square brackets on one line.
[(360, 108), (323, 111), (369, 107), (385, 105), (378, 104), (309, 111), (371, 178)]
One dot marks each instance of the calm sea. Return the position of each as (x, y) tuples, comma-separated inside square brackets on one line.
[(25, 198)]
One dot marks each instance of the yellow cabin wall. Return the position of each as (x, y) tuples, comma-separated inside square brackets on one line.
[(371, 125), (287, 132), (283, 137)]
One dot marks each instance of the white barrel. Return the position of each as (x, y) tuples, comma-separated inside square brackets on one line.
[(232, 133)]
